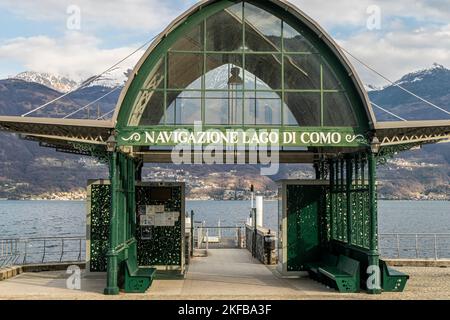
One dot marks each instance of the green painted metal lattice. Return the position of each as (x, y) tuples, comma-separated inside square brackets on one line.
[(164, 247), (100, 216)]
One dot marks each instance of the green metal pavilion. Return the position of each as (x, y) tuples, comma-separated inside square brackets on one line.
[(236, 66)]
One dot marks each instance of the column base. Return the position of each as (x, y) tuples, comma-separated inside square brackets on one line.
[(375, 291), (111, 291), (374, 260)]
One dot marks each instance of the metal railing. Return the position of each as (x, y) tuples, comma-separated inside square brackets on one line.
[(415, 245), (206, 237), (42, 250), (72, 249)]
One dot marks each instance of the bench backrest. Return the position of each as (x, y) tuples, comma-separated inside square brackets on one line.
[(329, 259), (348, 265), (132, 265), (384, 267)]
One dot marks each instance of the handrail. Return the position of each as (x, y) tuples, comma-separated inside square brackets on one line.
[(45, 238), (415, 245), (235, 227), (413, 234), (25, 251), (218, 237)]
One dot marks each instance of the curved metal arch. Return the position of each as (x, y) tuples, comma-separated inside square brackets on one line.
[(358, 94)]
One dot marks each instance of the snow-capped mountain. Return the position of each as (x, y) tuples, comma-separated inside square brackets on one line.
[(112, 79), (435, 70), (432, 84), (58, 83), (371, 87)]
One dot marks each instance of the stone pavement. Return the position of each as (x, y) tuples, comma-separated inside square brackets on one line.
[(224, 274)]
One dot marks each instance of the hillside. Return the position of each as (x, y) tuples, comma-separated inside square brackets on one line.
[(426, 172), (26, 170)]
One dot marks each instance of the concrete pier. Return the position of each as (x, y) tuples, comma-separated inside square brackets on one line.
[(223, 274)]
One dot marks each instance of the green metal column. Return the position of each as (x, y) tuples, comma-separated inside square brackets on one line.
[(129, 213), (317, 170), (373, 243), (348, 189), (123, 222), (331, 203), (132, 191), (138, 167), (342, 214), (112, 287)]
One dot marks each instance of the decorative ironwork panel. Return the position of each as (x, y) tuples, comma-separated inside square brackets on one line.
[(360, 217), (325, 218), (100, 216), (349, 206), (303, 225), (162, 245)]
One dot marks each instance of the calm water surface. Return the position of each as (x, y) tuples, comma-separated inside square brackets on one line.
[(68, 218)]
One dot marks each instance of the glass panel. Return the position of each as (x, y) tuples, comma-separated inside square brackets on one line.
[(262, 30), (338, 111), (153, 112), (219, 68), (185, 70), (223, 108), (260, 77), (224, 30), (156, 79), (191, 41), (302, 72), (305, 109), (267, 69), (263, 108), (294, 41), (184, 107), (330, 80), (288, 117)]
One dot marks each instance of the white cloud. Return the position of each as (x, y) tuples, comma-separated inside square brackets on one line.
[(147, 15), (75, 55), (398, 53), (354, 12), (414, 34)]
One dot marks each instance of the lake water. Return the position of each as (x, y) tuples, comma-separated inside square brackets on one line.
[(27, 219)]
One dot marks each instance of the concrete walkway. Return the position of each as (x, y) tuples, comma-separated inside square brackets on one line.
[(224, 274)]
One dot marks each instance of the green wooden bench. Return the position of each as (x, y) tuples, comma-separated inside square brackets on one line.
[(344, 277), (326, 260), (137, 279), (391, 279)]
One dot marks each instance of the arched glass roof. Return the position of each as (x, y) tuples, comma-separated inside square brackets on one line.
[(244, 64)]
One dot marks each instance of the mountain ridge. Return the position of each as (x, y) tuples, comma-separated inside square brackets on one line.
[(26, 170), (111, 79)]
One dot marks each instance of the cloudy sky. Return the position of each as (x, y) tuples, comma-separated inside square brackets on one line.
[(44, 36)]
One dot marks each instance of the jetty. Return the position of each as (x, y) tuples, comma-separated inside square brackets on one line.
[(223, 275)]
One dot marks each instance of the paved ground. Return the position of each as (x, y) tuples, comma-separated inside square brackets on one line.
[(224, 274)]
